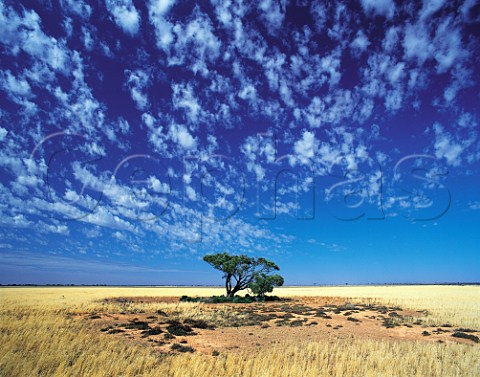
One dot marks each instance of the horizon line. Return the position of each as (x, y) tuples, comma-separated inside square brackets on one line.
[(221, 286)]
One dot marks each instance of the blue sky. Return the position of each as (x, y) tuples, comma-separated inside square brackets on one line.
[(339, 139)]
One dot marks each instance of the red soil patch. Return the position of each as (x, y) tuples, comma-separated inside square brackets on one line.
[(302, 319)]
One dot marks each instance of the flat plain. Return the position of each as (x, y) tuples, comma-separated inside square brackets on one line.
[(311, 331)]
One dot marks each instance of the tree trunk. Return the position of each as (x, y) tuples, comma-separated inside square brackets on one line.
[(234, 290), (228, 286)]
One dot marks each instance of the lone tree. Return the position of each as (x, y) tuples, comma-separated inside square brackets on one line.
[(242, 272)]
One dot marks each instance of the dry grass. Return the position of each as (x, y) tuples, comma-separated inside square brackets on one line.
[(456, 305), (38, 336)]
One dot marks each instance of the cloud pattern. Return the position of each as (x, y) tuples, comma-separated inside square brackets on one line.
[(155, 127)]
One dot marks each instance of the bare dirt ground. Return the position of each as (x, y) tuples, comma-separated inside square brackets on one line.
[(257, 325)]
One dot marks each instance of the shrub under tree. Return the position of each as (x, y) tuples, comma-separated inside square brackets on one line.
[(263, 284)]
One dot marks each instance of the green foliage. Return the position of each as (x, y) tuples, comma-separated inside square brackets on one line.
[(235, 299), (263, 284), (218, 299), (225, 299), (191, 299), (242, 271)]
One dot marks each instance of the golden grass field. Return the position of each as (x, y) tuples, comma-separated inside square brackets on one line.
[(40, 335)]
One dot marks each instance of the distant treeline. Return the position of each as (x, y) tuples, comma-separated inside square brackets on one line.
[(107, 285), (387, 284), (216, 286), (53, 285)]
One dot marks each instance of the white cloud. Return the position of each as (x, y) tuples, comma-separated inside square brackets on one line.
[(138, 81), (119, 235), (273, 11), (181, 136), (207, 96), (157, 9), (191, 194), (331, 65), (160, 7), (306, 147), (465, 120), (156, 185), (9, 25), (446, 147), (332, 108), (59, 229), (391, 39), (103, 217), (314, 112), (361, 42), (24, 32), (393, 100), (466, 6), (184, 98), (78, 107), (380, 7), (125, 14), (447, 45), (14, 86), (39, 45), (474, 205), (157, 136), (318, 11), (416, 43), (3, 133), (429, 7), (78, 7), (148, 119), (461, 78), (19, 91), (39, 74), (248, 92), (88, 41), (273, 67), (196, 44), (396, 72), (286, 93), (94, 149), (225, 10)]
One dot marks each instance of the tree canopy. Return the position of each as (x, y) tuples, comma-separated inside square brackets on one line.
[(242, 272), (263, 284)]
